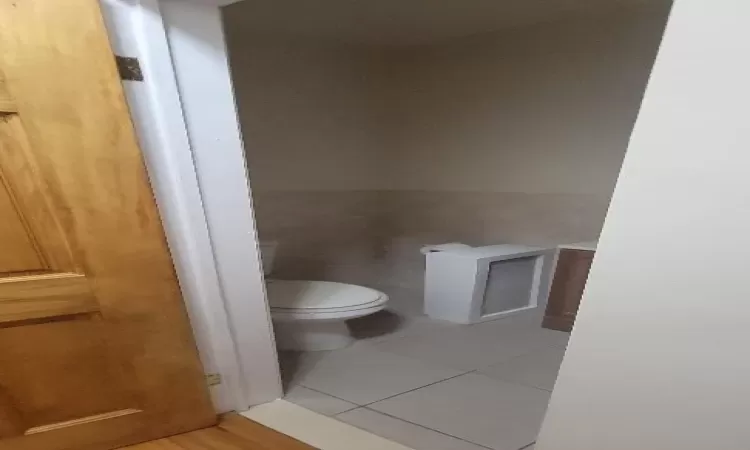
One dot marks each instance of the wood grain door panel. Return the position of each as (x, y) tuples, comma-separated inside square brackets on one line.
[(97, 351), (19, 254), (7, 103), (66, 362), (45, 296)]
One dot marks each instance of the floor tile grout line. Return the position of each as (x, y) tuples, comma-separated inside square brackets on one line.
[(477, 371), (376, 344), (357, 405), (396, 395), (424, 427), (390, 396), (367, 406), (418, 388), (427, 361), (348, 410), (513, 382)]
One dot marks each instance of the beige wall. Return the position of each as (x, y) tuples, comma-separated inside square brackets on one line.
[(515, 136), (310, 119), (658, 357), (361, 154), (540, 109)]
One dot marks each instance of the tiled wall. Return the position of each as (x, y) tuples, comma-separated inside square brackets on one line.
[(360, 155), (328, 235), (373, 238)]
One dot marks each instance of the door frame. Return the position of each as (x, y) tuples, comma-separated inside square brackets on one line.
[(184, 116)]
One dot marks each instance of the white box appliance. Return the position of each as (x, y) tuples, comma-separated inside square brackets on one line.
[(473, 284)]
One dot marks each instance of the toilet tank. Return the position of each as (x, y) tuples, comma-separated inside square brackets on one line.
[(267, 255)]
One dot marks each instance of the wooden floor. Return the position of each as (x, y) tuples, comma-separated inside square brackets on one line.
[(234, 432)]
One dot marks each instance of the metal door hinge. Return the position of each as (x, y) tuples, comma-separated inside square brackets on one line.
[(129, 68), (212, 379)]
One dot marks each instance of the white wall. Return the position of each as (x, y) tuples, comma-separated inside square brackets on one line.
[(540, 109), (310, 116), (658, 357)]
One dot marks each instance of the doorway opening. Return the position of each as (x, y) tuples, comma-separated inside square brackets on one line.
[(374, 129)]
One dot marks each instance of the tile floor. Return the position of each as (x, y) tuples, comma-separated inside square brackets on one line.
[(315, 429), (431, 385)]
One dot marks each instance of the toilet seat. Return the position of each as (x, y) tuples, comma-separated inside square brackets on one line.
[(321, 300)]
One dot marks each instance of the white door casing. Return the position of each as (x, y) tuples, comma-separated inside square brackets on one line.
[(185, 120)]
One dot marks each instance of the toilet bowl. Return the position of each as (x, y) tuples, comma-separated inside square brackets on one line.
[(311, 315)]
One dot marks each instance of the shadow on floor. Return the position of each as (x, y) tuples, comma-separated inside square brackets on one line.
[(373, 326)]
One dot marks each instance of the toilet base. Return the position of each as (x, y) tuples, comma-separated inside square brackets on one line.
[(312, 335)]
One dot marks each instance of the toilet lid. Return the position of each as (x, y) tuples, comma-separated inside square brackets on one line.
[(294, 294)]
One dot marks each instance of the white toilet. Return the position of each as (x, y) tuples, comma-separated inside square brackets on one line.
[(311, 315)]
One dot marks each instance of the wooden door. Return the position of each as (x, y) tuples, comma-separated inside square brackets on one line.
[(571, 273), (95, 346)]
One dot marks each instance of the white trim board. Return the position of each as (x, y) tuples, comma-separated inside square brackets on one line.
[(196, 39), (169, 142)]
